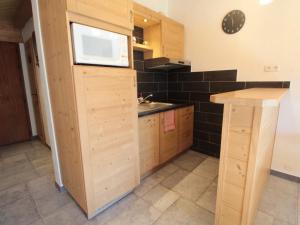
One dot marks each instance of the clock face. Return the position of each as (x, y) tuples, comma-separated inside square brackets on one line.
[(233, 22)]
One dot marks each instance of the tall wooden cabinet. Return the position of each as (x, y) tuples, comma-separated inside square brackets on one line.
[(94, 108)]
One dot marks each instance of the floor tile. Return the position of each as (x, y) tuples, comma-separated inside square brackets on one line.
[(263, 219), (9, 181), (140, 212), (68, 215), (279, 222), (192, 186), (21, 212), (161, 198), (282, 185), (12, 194), (12, 150), (38, 222), (42, 186), (51, 202), (209, 198), (175, 178), (115, 210), (279, 202), (147, 184), (167, 170), (189, 160), (187, 213), (209, 168)]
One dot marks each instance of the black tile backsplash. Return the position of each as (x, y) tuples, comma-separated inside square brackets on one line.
[(196, 88)]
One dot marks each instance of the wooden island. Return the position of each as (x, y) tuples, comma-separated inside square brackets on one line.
[(248, 134)]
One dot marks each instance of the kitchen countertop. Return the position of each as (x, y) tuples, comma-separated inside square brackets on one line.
[(148, 109), (253, 96)]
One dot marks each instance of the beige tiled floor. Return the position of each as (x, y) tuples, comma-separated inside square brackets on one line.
[(181, 193)]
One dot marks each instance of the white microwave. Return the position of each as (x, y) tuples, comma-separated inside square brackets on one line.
[(99, 47)]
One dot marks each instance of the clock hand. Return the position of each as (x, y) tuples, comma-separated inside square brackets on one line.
[(232, 21)]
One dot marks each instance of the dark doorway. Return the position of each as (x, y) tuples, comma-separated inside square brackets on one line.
[(14, 117)]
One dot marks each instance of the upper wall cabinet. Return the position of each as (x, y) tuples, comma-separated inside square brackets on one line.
[(164, 36), (117, 12), (172, 39)]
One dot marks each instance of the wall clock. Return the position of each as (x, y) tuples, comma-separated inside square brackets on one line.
[(233, 22)]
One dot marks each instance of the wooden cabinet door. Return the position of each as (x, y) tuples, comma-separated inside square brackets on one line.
[(118, 12), (172, 39), (168, 141), (108, 118), (186, 125), (148, 142)]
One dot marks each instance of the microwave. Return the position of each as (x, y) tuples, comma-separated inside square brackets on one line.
[(99, 47)]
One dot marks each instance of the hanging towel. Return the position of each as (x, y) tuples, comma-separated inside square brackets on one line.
[(169, 120)]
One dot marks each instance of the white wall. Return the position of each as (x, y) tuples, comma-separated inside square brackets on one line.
[(26, 34), (156, 5), (28, 90), (271, 36)]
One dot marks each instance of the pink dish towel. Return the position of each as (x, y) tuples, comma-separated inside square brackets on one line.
[(169, 120)]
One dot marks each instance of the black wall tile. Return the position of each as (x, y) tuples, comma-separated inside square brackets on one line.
[(211, 108), (145, 77), (217, 87), (138, 65), (137, 55), (209, 118), (266, 84), (222, 75), (174, 86), (208, 127), (179, 96), (201, 97), (196, 86), (161, 77), (286, 84), (173, 77), (194, 76)]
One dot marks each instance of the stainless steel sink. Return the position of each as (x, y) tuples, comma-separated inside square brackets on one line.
[(152, 106)]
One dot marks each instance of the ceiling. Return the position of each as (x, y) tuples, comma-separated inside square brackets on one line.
[(16, 12)]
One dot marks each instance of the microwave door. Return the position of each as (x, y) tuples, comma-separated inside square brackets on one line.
[(99, 47)]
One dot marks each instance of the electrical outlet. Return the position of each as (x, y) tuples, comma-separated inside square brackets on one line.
[(273, 68)]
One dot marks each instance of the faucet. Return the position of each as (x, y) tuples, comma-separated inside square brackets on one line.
[(141, 99)]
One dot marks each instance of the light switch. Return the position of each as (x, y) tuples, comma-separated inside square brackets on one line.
[(273, 68)]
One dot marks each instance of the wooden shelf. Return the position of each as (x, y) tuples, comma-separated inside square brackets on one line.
[(142, 48)]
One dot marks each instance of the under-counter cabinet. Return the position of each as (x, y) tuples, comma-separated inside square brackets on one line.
[(149, 142), (117, 12), (168, 140), (157, 146), (186, 128)]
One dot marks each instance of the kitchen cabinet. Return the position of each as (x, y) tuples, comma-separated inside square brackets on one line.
[(185, 126), (117, 12), (94, 107), (168, 141), (165, 36), (148, 143), (107, 116), (172, 39)]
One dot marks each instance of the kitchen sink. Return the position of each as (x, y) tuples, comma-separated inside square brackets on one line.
[(152, 106)]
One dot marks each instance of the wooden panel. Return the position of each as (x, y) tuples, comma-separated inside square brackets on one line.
[(233, 196), (172, 39), (107, 116), (248, 136), (141, 12), (229, 216), (9, 33), (153, 36), (56, 38), (235, 172), (168, 141), (118, 12), (149, 142), (186, 125), (260, 159), (15, 126)]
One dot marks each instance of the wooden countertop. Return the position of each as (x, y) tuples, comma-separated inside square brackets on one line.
[(253, 96)]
